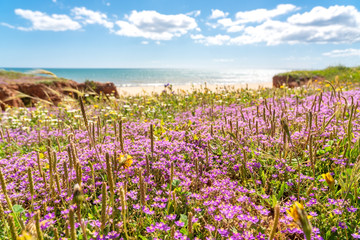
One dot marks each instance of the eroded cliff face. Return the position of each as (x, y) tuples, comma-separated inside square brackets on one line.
[(24, 92), (293, 81)]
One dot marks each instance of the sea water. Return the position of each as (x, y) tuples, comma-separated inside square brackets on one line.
[(132, 77)]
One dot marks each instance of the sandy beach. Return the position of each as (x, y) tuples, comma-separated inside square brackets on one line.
[(143, 90)]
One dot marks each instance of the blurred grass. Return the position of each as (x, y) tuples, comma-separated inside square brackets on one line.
[(341, 73), (37, 76), (12, 74)]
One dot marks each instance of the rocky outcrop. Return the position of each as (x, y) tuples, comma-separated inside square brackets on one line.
[(99, 88), (8, 96), (26, 93), (39, 91), (293, 81)]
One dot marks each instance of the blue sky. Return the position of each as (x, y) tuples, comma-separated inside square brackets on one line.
[(183, 34)]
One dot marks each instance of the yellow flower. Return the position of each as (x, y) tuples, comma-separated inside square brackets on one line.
[(125, 160), (300, 217), (25, 236), (329, 179), (294, 214), (96, 106)]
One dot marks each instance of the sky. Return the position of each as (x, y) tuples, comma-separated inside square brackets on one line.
[(236, 34)]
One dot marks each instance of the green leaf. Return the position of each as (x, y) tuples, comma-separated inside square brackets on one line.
[(142, 237), (196, 226), (281, 192), (176, 182), (184, 218), (18, 209), (328, 149), (184, 231), (320, 152)]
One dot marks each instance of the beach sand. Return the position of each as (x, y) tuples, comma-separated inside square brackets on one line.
[(146, 90)]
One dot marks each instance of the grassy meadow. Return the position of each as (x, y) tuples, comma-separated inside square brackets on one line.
[(232, 164)]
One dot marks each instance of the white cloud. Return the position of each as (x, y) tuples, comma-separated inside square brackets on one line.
[(276, 32), (336, 24), (230, 25), (54, 1), (43, 22), (343, 53), (334, 15), (7, 25), (261, 15), (91, 17), (216, 13), (246, 17), (235, 28), (145, 42), (195, 13), (218, 40), (155, 26), (197, 36)]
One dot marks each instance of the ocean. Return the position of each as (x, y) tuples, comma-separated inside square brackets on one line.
[(133, 77)]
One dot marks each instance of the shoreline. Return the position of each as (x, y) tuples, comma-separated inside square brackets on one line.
[(146, 90)]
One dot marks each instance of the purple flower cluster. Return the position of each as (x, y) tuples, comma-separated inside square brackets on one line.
[(231, 163)]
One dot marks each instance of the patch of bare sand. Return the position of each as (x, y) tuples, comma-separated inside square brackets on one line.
[(148, 90)]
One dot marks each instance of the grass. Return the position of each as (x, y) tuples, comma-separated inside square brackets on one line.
[(333, 73), (12, 74), (238, 163), (38, 76)]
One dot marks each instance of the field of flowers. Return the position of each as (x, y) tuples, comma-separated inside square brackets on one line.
[(235, 164)]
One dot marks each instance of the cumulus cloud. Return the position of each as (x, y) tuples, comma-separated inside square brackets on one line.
[(155, 26), (334, 15), (44, 22), (350, 52), (91, 17), (281, 25), (246, 17), (336, 24), (261, 15), (216, 13), (230, 25), (276, 32)]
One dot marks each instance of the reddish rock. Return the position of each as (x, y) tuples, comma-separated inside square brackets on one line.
[(107, 88), (293, 81), (51, 91), (40, 91), (8, 97)]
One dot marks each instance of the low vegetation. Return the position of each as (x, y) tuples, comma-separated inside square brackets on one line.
[(333, 74), (232, 164)]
